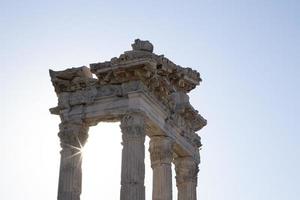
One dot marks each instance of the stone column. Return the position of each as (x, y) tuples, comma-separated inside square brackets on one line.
[(186, 178), (73, 135), (161, 158), (133, 156)]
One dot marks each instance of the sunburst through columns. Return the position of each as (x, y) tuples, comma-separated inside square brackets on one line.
[(73, 135)]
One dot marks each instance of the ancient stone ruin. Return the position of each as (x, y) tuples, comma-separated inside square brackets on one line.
[(147, 93)]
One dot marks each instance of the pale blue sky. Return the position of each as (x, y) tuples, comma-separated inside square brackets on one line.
[(246, 51)]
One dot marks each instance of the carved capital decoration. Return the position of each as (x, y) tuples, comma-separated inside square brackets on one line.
[(186, 170), (73, 133), (133, 127), (161, 150)]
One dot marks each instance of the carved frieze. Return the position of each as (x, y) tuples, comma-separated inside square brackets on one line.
[(140, 64)]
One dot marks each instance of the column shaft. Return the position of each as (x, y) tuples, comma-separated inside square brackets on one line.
[(161, 158), (186, 178), (133, 156), (73, 136)]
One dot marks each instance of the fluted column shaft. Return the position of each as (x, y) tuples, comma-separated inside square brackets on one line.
[(186, 178), (161, 157), (133, 156), (73, 135)]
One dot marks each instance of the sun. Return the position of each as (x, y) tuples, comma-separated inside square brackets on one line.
[(79, 151)]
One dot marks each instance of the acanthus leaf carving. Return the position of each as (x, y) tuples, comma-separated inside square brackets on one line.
[(161, 150), (133, 127), (186, 170)]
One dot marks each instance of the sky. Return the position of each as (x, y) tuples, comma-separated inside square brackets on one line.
[(247, 53)]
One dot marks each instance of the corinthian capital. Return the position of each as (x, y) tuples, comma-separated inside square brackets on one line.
[(186, 170), (161, 150), (133, 127), (74, 133)]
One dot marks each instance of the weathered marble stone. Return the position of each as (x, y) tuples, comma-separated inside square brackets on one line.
[(140, 45), (148, 93), (186, 178), (161, 154), (72, 79), (133, 156), (73, 135)]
